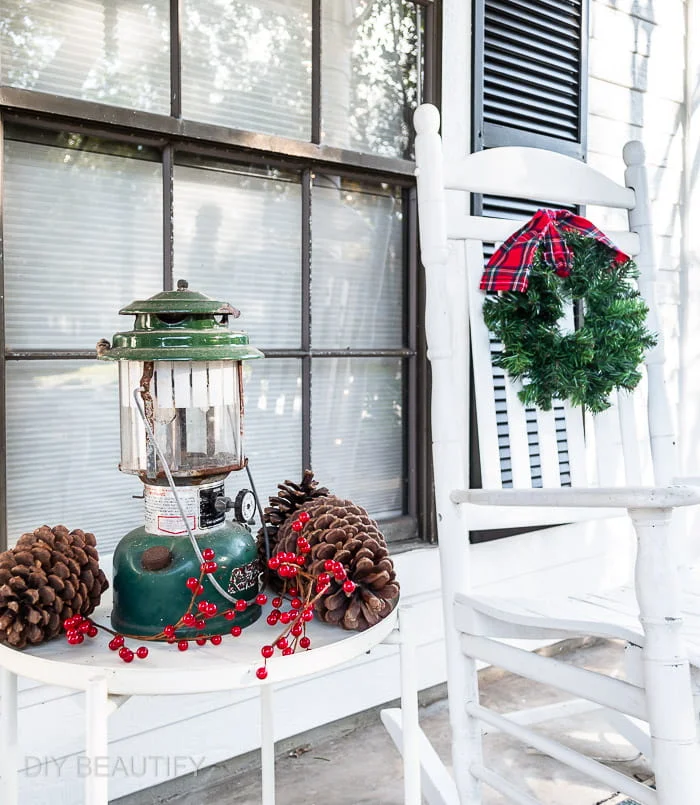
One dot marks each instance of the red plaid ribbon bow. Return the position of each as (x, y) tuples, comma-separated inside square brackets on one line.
[(509, 266)]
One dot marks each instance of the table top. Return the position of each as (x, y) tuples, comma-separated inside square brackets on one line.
[(200, 669)]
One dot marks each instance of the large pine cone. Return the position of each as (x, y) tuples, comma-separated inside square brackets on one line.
[(48, 576), (342, 531)]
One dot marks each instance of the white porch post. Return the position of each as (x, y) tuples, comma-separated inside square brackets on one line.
[(676, 755)]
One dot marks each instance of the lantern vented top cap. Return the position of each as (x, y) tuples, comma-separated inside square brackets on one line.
[(180, 325), (181, 301)]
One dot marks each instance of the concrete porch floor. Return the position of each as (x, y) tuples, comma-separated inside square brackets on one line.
[(354, 762)]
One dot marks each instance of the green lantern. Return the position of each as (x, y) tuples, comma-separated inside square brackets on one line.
[(180, 370)]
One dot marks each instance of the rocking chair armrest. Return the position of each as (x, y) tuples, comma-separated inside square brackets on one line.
[(634, 497)]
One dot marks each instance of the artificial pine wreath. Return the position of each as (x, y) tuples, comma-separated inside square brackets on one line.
[(583, 366)]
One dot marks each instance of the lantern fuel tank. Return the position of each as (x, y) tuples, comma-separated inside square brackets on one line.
[(181, 428)]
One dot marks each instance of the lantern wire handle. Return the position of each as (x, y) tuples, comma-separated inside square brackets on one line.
[(260, 512), (169, 476)]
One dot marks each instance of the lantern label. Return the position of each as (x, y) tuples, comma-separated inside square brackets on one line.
[(162, 513)]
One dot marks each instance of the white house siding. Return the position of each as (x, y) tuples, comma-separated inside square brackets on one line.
[(636, 91)]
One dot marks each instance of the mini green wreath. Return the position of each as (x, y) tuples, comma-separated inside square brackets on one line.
[(583, 366)]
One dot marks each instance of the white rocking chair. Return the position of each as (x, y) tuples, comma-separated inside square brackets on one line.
[(591, 485)]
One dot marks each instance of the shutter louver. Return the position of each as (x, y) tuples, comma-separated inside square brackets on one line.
[(529, 71)]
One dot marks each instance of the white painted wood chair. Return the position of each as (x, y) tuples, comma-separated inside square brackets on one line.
[(578, 483)]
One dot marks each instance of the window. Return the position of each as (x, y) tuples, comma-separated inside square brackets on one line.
[(261, 150)]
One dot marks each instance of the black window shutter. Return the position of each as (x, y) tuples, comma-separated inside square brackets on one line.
[(530, 74), (530, 88)]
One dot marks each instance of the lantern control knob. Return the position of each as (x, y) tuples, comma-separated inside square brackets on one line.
[(243, 506)]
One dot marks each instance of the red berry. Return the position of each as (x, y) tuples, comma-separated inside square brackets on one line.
[(171, 640), (340, 575), (297, 629), (199, 590), (202, 606), (92, 631), (142, 652), (285, 617), (200, 641), (76, 639), (236, 631), (323, 578), (192, 583), (208, 554), (71, 633), (267, 651), (273, 562), (282, 642), (306, 548), (84, 627), (273, 617), (297, 525), (349, 586), (169, 630), (241, 605), (300, 559), (261, 673), (322, 587), (189, 619), (261, 599), (230, 614), (277, 602), (287, 651), (305, 642), (211, 610), (329, 565), (126, 654), (116, 642), (295, 603), (199, 625), (304, 517), (183, 645), (293, 591), (68, 624), (216, 639), (307, 615)]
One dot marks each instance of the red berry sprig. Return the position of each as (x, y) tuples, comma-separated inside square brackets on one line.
[(291, 566)]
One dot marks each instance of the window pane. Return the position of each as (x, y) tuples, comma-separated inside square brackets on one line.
[(238, 238), (248, 64), (82, 239), (99, 50), (357, 431), (272, 425), (369, 81), (357, 268), (63, 451)]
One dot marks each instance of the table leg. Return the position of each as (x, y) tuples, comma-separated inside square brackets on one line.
[(9, 749), (267, 745), (96, 742), (409, 711)]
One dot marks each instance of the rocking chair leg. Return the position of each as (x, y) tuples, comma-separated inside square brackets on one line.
[(674, 747), (466, 731)]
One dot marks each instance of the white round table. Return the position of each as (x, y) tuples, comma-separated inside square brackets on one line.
[(104, 677)]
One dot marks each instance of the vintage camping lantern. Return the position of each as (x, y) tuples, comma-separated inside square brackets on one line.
[(181, 415)]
